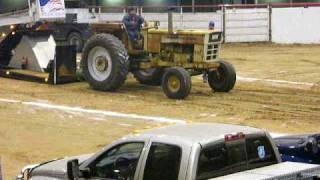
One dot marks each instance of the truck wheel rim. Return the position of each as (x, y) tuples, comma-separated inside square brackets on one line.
[(75, 41), (219, 75), (99, 63), (174, 83)]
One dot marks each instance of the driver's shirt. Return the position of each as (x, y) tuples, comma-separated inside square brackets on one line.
[(133, 25)]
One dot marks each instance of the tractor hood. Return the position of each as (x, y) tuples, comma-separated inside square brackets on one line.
[(55, 169), (182, 31), (204, 38)]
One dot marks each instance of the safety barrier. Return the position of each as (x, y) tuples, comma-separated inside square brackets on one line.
[(238, 22)]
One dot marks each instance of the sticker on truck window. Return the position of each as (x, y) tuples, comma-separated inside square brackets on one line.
[(261, 152)]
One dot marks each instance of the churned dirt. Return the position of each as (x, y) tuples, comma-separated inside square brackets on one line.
[(278, 90)]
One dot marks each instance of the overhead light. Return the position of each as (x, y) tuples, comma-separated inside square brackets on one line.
[(113, 2)]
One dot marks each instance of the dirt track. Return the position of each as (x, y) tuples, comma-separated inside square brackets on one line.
[(30, 134)]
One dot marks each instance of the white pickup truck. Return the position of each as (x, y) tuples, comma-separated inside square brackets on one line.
[(180, 152)]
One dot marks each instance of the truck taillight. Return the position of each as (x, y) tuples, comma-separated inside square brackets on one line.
[(233, 137)]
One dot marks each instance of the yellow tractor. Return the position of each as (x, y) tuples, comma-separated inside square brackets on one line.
[(164, 57)]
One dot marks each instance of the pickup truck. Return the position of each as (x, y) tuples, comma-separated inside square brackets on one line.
[(179, 152), (303, 148)]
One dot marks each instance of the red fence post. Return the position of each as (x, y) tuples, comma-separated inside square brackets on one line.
[(1, 170), (270, 22), (224, 23), (193, 6)]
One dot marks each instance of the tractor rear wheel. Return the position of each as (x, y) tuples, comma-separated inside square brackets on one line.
[(105, 63), (223, 79), (151, 76), (176, 83)]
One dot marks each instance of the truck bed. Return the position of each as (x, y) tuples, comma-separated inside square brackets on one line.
[(286, 170)]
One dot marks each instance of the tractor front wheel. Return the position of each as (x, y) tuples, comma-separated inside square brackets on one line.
[(222, 79), (105, 63), (176, 83)]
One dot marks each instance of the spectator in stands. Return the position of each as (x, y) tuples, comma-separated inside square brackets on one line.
[(211, 25), (133, 23)]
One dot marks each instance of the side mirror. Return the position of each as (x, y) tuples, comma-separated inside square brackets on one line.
[(312, 146), (73, 171)]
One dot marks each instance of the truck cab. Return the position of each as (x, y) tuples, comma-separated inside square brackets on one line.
[(180, 152)]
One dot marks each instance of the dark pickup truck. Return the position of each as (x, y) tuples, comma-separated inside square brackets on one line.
[(303, 148)]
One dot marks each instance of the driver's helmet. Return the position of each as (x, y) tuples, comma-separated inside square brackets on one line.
[(211, 24)]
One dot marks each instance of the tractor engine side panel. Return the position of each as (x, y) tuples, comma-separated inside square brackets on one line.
[(154, 43), (177, 53), (184, 46)]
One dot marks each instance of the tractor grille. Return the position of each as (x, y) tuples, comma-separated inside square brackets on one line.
[(212, 52), (213, 46)]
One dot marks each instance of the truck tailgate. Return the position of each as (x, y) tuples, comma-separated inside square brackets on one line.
[(286, 170)]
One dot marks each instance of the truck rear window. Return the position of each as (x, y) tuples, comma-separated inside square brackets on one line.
[(230, 157)]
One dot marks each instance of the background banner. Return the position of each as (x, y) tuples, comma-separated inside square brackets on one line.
[(52, 9)]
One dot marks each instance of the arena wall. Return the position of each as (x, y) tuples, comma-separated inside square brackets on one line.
[(296, 25)]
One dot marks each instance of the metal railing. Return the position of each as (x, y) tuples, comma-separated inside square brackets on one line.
[(14, 12), (180, 9), (196, 8), (237, 21)]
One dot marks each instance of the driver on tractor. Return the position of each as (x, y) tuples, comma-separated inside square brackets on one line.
[(133, 24)]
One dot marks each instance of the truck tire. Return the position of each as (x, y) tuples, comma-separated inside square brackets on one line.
[(176, 83), (223, 79), (105, 62), (9, 43), (74, 38), (151, 76), (5, 58)]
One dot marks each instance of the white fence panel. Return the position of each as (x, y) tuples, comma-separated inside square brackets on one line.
[(247, 25), (186, 20), (201, 20), (288, 25), (109, 17), (181, 21), (296, 25), (83, 15)]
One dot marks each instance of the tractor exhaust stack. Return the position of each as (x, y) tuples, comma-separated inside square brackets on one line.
[(170, 21)]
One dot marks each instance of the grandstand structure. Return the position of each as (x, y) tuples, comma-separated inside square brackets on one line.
[(13, 5)]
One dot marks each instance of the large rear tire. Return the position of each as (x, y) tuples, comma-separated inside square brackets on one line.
[(151, 76), (176, 83), (105, 62), (223, 79)]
